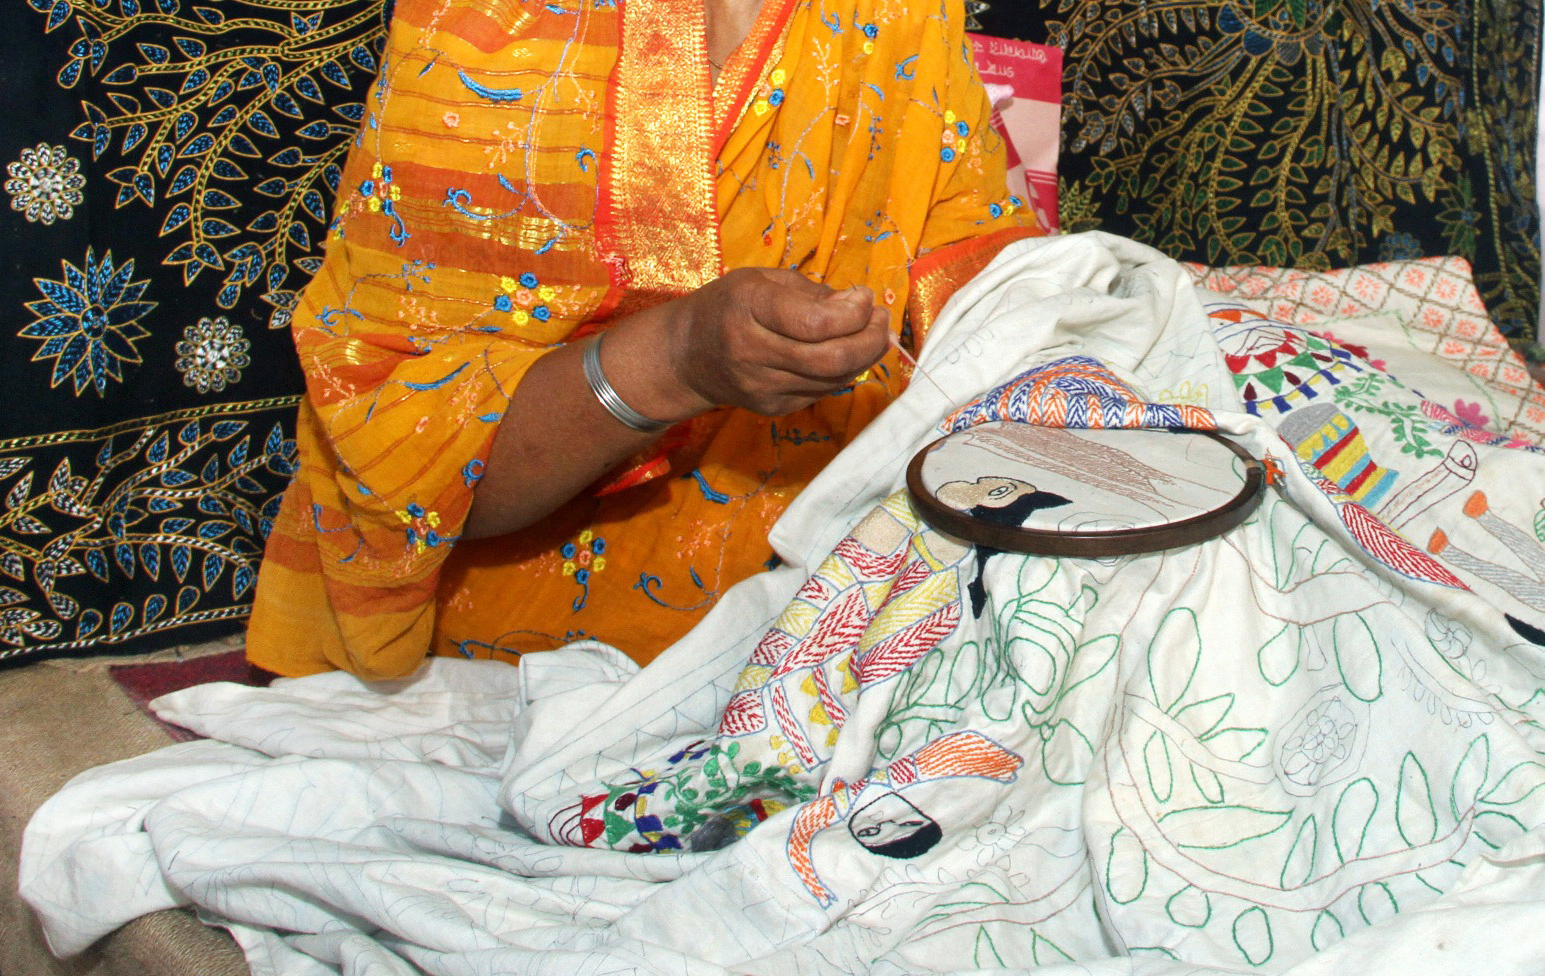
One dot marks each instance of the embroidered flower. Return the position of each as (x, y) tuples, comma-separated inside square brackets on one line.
[(1399, 246), (947, 154), (995, 840), (421, 526), (212, 353), (1471, 413), (381, 196), (1457, 426), (1320, 743), (1449, 637), (776, 98), (541, 314), (379, 191), (528, 280), (778, 77), (89, 322), (503, 303), (45, 184), (581, 559)]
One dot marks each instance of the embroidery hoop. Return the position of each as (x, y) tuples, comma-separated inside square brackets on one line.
[(1217, 484)]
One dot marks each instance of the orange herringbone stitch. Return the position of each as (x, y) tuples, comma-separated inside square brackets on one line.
[(966, 754), (817, 815)]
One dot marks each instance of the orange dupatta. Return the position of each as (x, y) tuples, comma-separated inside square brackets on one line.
[(480, 222)]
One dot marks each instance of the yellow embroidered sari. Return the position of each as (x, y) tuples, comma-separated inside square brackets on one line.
[(529, 172)]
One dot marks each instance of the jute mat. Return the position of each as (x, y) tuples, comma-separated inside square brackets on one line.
[(57, 719)]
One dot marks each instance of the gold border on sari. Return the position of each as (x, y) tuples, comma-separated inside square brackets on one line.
[(658, 224)]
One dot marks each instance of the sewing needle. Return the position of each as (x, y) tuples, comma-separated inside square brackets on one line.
[(913, 362)]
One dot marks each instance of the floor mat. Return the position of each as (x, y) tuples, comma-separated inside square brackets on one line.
[(145, 682)]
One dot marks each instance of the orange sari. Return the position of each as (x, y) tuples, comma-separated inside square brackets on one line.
[(528, 173)]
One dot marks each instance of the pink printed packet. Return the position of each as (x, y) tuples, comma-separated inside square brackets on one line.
[(1024, 82)]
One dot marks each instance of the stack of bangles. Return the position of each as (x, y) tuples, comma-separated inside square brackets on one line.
[(610, 400)]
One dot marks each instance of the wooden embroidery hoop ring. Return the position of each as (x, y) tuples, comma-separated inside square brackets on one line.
[(1111, 542)]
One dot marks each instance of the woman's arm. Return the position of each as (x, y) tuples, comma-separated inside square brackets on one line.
[(765, 340)]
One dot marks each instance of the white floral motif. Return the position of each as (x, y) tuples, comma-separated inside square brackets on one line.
[(1320, 744), (1449, 637), (994, 839), (45, 184), (211, 354)]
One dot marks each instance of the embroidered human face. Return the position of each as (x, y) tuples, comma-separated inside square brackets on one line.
[(891, 826), (989, 490)]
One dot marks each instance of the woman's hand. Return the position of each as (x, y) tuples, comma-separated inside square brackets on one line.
[(773, 341)]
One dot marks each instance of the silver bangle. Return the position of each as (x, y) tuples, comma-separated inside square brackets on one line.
[(610, 400)]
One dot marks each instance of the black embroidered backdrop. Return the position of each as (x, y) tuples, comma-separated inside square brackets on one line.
[(168, 167), (1303, 133)]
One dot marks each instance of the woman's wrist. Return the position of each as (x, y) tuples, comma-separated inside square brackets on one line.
[(611, 401), (639, 359)]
